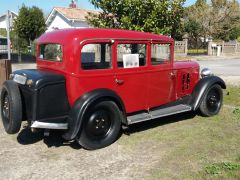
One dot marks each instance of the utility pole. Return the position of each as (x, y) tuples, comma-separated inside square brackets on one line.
[(8, 35)]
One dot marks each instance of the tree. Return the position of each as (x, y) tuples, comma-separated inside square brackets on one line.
[(30, 24), (218, 19), (195, 31), (160, 17)]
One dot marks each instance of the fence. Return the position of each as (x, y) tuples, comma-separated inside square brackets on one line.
[(181, 47), (225, 48)]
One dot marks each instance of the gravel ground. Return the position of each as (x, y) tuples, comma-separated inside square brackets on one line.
[(31, 156)]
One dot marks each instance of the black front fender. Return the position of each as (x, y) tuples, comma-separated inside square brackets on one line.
[(202, 86), (83, 103)]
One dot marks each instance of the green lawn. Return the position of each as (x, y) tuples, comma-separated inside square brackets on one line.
[(189, 147), (197, 50)]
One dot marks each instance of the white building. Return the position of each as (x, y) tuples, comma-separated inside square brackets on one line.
[(3, 19), (67, 17)]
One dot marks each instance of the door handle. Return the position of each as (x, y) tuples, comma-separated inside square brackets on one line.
[(119, 81), (172, 75)]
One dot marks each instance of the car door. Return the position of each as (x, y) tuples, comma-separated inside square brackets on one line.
[(96, 70), (161, 88), (130, 74)]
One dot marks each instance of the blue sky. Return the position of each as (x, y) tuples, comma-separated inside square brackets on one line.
[(47, 5)]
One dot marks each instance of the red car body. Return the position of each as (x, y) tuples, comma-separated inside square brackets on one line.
[(143, 88)]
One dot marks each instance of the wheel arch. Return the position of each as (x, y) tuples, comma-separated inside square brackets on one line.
[(201, 88), (86, 101)]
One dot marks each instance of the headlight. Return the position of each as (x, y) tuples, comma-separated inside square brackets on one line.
[(206, 72)]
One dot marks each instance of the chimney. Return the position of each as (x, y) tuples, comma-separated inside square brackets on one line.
[(73, 4)]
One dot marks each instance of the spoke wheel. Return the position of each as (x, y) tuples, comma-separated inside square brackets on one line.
[(212, 101)]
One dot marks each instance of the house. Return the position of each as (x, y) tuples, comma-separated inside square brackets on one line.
[(67, 17), (3, 19)]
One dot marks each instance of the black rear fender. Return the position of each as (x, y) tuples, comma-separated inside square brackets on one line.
[(201, 88), (81, 105), (44, 95)]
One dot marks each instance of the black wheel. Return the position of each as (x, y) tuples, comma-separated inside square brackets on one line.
[(101, 125), (11, 107), (212, 101)]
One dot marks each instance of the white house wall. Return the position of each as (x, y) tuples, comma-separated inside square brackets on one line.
[(80, 24), (58, 22), (3, 23)]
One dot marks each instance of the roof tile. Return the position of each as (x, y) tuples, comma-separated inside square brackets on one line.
[(74, 13)]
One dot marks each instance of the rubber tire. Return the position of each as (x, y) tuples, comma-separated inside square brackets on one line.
[(91, 144), (13, 124), (203, 106)]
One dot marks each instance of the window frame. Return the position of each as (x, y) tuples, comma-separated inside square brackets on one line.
[(170, 61), (106, 41), (146, 42), (50, 60)]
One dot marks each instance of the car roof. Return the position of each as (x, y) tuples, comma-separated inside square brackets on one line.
[(64, 36)]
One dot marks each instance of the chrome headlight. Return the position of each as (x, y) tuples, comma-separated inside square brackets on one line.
[(206, 72)]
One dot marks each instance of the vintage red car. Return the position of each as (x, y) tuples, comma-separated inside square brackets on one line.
[(92, 82)]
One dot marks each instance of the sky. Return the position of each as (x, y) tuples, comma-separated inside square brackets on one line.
[(47, 5)]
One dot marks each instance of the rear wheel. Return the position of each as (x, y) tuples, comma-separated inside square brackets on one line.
[(11, 107), (212, 101), (101, 125)]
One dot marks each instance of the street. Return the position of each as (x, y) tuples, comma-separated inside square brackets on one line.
[(221, 66)]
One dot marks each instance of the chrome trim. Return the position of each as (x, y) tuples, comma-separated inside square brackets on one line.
[(45, 125), (206, 72), (111, 40)]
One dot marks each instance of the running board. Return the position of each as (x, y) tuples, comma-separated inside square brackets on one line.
[(45, 125), (158, 113)]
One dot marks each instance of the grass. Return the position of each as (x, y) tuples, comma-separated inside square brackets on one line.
[(233, 97), (188, 146), (223, 168), (197, 50)]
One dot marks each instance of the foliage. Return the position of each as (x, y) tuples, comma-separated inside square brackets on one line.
[(18, 44), (236, 111), (219, 19), (3, 32), (218, 168), (30, 24), (197, 50), (160, 17), (234, 33)]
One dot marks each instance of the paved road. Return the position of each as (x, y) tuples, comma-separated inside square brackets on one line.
[(222, 66)]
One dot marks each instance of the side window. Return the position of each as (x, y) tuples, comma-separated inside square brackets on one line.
[(51, 52), (96, 56), (131, 55), (160, 54), (3, 41)]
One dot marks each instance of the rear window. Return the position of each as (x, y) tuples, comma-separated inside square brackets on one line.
[(52, 52), (3, 41)]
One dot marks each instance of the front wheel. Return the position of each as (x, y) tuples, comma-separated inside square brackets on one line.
[(212, 101), (101, 125)]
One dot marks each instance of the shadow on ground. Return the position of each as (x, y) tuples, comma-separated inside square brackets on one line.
[(138, 127), (26, 137)]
